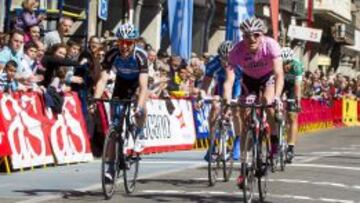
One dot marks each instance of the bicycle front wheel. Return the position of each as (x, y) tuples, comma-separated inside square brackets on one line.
[(263, 163), (131, 161), (227, 156), (110, 164), (213, 162), (248, 168)]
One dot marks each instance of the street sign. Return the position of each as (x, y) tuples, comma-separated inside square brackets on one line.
[(103, 9), (304, 33)]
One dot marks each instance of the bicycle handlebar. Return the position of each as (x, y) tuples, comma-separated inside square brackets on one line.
[(253, 105), (113, 100)]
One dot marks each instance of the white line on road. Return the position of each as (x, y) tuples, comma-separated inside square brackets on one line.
[(98, 185), (297, 181), (325, 166), (297, 197)]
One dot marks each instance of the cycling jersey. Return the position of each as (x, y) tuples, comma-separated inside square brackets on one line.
[(255, 65), (215, 70), (127, 71), (294, 75)]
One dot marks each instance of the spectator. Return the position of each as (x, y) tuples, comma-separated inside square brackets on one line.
[(100, 55), (26, 72), (57, 36), (28, 16), (175, 62), (73, 50), (178, 85), (160, 83), (2, 41), (13, 51), (33, 34), (7, 78), (53, 59), (152, 65)]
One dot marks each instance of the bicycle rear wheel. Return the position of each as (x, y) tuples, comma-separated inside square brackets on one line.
[(213, 162), (248, 168), (110, 159), (263, 163), (131, 168), (227, 156)]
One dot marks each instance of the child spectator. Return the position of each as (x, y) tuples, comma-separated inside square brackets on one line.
[(73, 50), (28, 17), (7, 78), (33, 34), (26, 71)]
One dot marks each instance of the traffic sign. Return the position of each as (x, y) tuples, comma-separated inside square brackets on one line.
[(103, 9)]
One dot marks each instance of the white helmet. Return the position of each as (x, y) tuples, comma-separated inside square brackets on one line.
[(287, 54), (224, 48), (127, 31), (252, 25)]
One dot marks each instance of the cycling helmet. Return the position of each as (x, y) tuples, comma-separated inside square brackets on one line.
[(224, 48), (252, 25), (287, 54), (127, 31)]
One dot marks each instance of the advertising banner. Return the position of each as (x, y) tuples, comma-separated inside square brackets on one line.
[(24, 125), (169, 125)]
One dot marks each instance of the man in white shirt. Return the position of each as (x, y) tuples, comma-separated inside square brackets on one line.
[(13, 50), (57, 36)]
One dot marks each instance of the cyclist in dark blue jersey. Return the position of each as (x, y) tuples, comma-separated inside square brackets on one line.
[(215, 69), (130, 66)]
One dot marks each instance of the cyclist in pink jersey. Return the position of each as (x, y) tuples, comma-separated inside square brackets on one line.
[(259, 57)]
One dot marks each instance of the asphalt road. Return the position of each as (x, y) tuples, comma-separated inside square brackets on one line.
[(326, 169)]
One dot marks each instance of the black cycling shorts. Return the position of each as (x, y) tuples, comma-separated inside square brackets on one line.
[(253, 86)]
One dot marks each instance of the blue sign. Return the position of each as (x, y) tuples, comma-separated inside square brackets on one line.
[(237, 11), (180, 25), (103, 9)]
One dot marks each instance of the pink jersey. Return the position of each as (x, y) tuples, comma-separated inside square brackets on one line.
[(258, 64)]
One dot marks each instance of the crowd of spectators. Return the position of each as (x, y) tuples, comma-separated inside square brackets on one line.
[(320, 86)]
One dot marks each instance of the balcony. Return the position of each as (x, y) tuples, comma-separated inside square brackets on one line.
[(344, 33), (296, 7), (333, 10)]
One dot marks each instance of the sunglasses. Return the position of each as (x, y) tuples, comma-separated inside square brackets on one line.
[(123, 42), (255, 35)]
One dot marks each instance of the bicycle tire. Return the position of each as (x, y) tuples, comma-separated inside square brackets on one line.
[(227, 157), (263, 163), (213, 162), (282, 147), (249, 181), (130, 169), (109, 188)]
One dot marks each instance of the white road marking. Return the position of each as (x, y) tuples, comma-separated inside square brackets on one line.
[(297, 181), (325, 166), (98, 185), (336, 200), (237, 193)]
